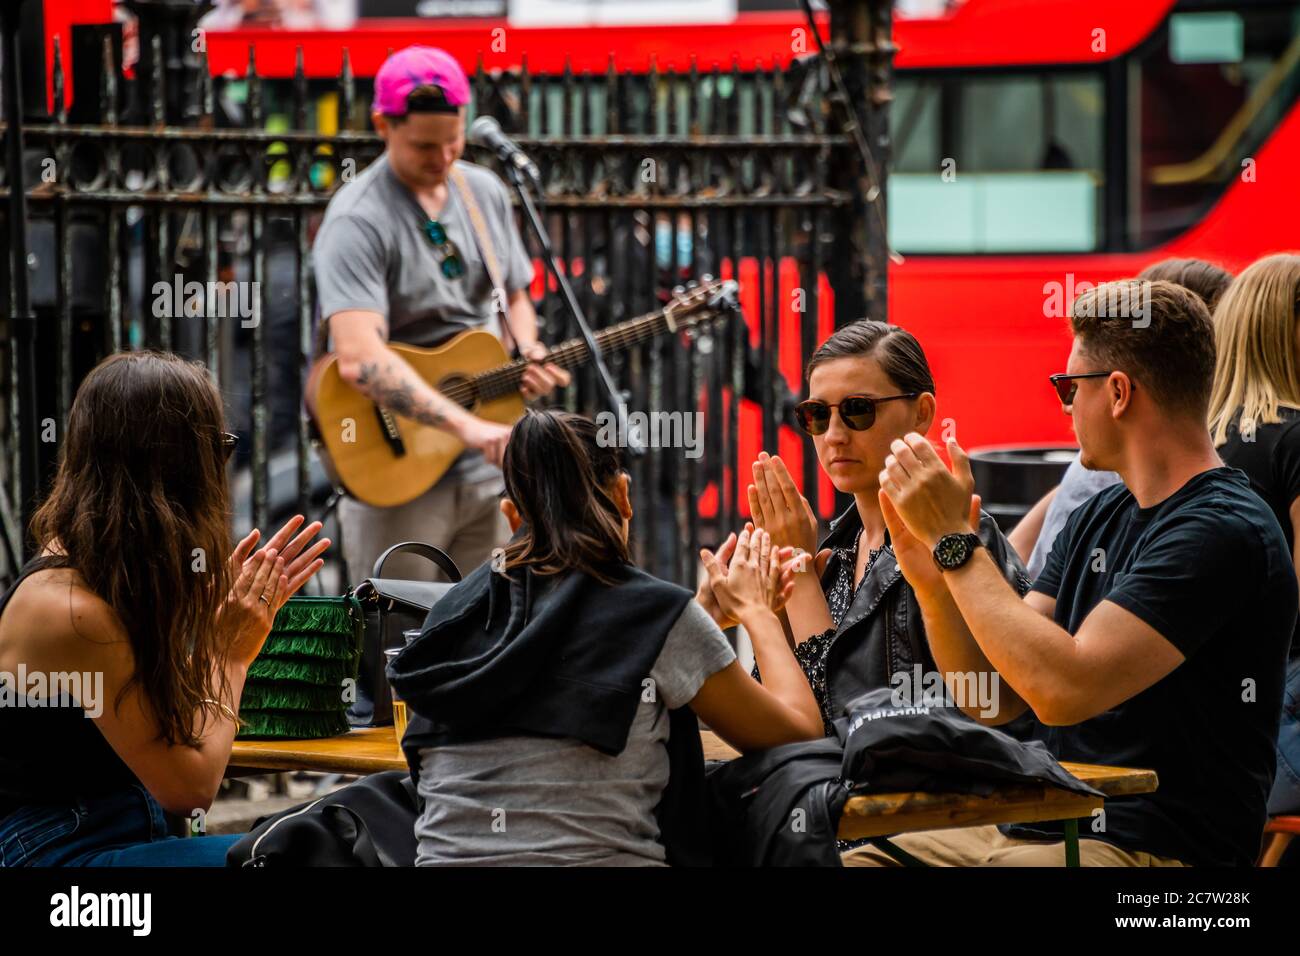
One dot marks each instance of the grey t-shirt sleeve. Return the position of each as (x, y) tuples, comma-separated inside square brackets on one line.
[(1078, 484), (348, 259), (694, 651), (518, 266)]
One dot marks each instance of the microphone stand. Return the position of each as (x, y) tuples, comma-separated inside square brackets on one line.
[(520, 180)]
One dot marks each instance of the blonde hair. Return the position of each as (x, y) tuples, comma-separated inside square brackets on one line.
[(1256, 369)]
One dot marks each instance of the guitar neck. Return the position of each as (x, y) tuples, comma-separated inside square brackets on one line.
[(505, 379)]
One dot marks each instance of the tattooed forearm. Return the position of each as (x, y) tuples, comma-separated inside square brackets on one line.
[(392, 384)]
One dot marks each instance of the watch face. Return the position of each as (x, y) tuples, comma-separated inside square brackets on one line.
[(952, 550)]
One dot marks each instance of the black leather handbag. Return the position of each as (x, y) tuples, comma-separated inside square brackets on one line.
[(391, 606)]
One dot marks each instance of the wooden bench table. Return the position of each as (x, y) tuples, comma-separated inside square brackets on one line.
[(361, 751), (875, 815)]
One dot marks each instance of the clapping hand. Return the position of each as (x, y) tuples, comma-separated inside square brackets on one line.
[(263, 580), (301, 562), (747, 572), (931, 499), (778, 507)]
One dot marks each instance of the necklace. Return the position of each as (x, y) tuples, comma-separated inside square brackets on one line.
[(872, 555)]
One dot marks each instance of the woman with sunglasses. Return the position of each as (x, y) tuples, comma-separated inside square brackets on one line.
[(855, 623), (131, 632)]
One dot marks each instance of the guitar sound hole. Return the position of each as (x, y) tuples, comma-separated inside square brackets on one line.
[(459, 390)]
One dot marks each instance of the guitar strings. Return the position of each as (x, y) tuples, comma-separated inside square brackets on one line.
[(501, 381), (566, 355), (496, 382)]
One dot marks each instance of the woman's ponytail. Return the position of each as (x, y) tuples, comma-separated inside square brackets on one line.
[(560, 478)]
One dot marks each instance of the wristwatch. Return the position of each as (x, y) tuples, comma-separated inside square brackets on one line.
[(953, 550)]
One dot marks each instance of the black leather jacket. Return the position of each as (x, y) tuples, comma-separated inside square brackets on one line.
[(881, 634)]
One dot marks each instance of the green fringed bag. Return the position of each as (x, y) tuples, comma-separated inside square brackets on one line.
[(302, 682)]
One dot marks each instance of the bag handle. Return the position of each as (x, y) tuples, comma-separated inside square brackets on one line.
[(436, 555)]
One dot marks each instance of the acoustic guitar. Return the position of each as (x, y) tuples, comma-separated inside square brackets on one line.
[(384, 459)]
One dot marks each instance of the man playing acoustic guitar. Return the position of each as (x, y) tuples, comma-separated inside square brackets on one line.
[(400, 257)]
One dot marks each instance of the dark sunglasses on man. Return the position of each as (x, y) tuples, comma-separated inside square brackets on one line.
[(1067, 387), (858, 412), (451, 265)]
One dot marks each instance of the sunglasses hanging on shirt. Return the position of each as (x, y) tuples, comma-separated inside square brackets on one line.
[(450, 262)]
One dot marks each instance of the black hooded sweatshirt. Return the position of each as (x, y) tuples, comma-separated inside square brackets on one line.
[(556, 656)]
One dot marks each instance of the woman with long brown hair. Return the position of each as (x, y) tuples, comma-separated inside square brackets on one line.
[(140, 611)]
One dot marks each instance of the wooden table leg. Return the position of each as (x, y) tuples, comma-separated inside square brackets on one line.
[(1071, 842)]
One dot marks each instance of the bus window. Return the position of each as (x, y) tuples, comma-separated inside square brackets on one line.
[(997, 163), (915, 122), (1209, 90)]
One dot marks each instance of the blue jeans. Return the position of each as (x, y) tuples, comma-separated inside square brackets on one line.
[(1285, 798), (122, 828)]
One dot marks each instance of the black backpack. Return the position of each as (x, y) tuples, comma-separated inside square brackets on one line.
[(368, 823)]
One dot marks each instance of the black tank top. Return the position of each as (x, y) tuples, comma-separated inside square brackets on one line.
[(52, 754)]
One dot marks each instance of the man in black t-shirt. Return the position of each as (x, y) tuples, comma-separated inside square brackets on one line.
[(1156, 635)]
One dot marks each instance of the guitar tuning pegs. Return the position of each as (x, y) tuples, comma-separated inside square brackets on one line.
[(726, 296), (678, 290)]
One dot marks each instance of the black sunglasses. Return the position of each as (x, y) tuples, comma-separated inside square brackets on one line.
[(452, 266), (1066, 386), (228, 443), (856, 411)]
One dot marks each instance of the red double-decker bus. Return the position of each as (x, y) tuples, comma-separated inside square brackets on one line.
[(1038, 145)]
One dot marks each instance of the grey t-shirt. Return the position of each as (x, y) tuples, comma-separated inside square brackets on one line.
[(1078, 484), (542, 801), (372, 253)]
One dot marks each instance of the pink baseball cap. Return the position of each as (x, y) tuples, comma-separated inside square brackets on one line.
[(417, 66)]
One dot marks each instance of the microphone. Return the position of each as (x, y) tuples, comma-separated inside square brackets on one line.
[(486, 131)]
